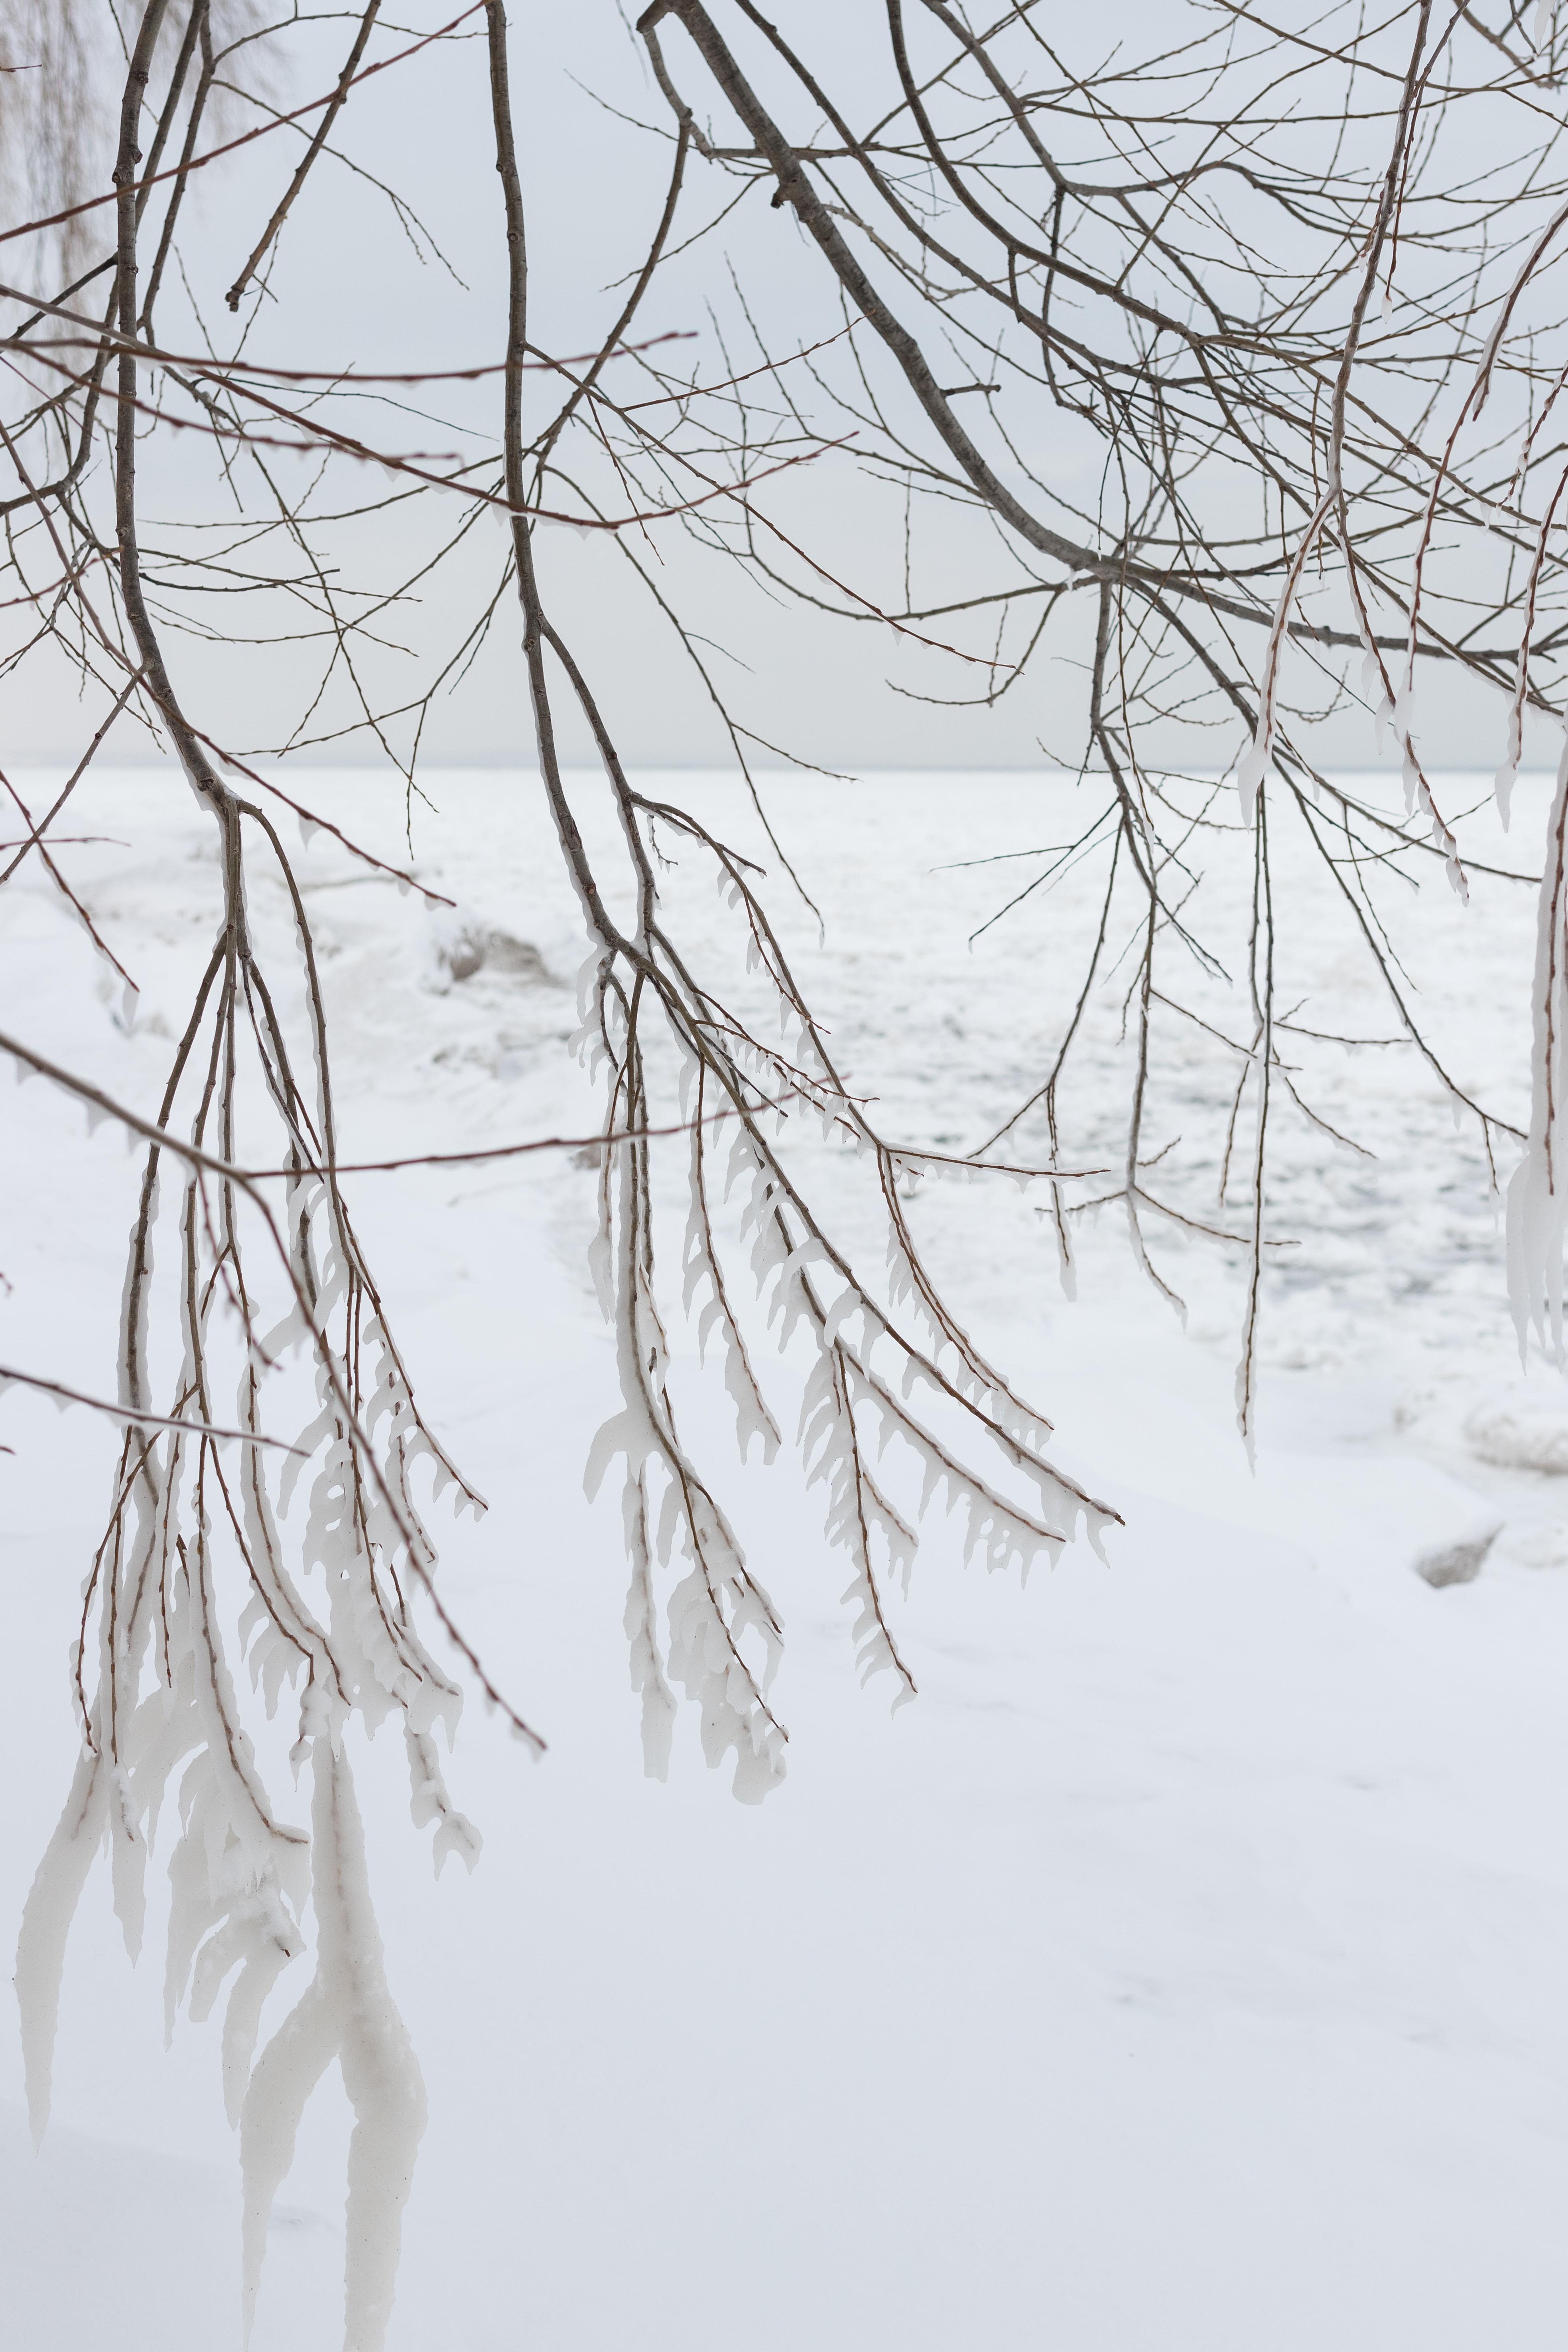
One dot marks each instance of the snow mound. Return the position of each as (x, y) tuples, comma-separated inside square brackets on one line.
[(1520, 1432), (473, 948), (1543, 1544)]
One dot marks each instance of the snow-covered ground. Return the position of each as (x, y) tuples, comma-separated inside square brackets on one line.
[(1182, 1974)]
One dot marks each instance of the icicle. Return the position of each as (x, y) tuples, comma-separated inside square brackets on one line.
[(705, 1656), (642, 1631), (1502, 785), (128, 1860), (242, 2018), (1411, 779), (347, 2013), (45, 1924), (429, 1801), (627, 1433)]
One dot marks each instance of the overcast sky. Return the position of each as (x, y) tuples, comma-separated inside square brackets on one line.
[(350, 292)]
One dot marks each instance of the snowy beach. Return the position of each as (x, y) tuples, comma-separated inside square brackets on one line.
[(1183, 1969)]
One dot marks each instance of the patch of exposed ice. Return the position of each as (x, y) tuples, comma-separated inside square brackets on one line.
[(1455, 1563)]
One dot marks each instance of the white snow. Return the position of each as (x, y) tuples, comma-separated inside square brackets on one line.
[(1182, 1970)]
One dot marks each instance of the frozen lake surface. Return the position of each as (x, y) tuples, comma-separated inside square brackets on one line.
[(1183, 1973)]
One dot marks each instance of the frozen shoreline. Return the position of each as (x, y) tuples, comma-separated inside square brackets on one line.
[(1183, 1969)]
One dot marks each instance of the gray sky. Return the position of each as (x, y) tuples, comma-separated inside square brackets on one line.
[(352, 292)]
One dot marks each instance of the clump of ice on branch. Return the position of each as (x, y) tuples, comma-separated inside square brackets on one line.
[(345, 2012), (1538, 1191)]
